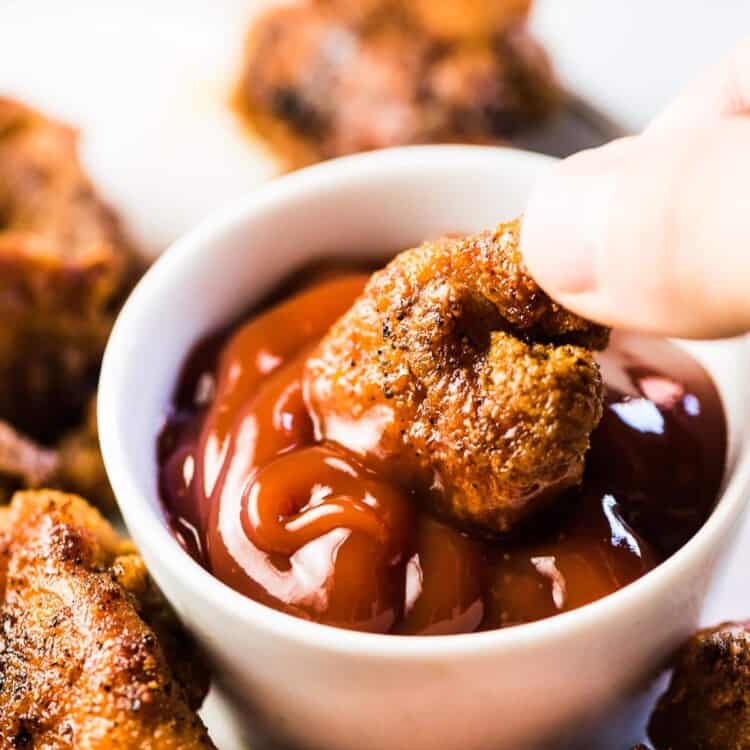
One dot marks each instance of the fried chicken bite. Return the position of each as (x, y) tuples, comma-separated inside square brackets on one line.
[(707, 705), (315, 89), (467, 19), (24, 460), (456, 371), (80, 466), (73, 464), (364, 12), (90, 654), (320, 82), (442, 19), (65, 266), (488, 93)]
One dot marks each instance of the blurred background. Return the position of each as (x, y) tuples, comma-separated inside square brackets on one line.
[(150, 85), (148, 81)]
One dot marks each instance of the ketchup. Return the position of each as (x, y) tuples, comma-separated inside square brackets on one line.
[(309, 529)]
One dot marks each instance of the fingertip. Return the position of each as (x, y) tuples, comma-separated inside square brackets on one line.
[(564, 229), (550, 241)]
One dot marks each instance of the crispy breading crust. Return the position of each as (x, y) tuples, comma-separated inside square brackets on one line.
[(90, 655), (707, 705), (65, 266), (456, 370)]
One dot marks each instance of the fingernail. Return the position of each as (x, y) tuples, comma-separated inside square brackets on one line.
[(564, 229)]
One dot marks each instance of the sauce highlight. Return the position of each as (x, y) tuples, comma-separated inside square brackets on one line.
[(307, 528)]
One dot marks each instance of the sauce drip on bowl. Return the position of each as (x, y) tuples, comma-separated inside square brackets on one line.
[(307, 528)]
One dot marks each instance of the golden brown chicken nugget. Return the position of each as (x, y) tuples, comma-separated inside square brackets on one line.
[(447, 20), (456, 371), (90, 654), (316, 85), (65, 266), (365, 12), (707, 705), (467, 19), (73, 464)]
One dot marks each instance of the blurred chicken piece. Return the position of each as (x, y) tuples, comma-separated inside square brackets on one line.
[(74, 464), (707, 705), (65, 266), (90, 654), (442, 19), (23, 459), (464, 378), (364, 13), (80, 466), (320, 81)]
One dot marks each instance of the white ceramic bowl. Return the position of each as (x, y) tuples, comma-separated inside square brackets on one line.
[(522, 687)]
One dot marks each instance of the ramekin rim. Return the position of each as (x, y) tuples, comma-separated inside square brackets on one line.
[(153, 529)]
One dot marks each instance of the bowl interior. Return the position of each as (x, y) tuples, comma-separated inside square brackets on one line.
[(367, 206)]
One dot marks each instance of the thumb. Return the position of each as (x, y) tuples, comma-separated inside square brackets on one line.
[(650, 233)]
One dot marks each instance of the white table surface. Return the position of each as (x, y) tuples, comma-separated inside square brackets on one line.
[(147, 83), (630, 56)]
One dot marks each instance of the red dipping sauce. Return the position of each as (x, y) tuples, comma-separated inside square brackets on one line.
[(307, 528)]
